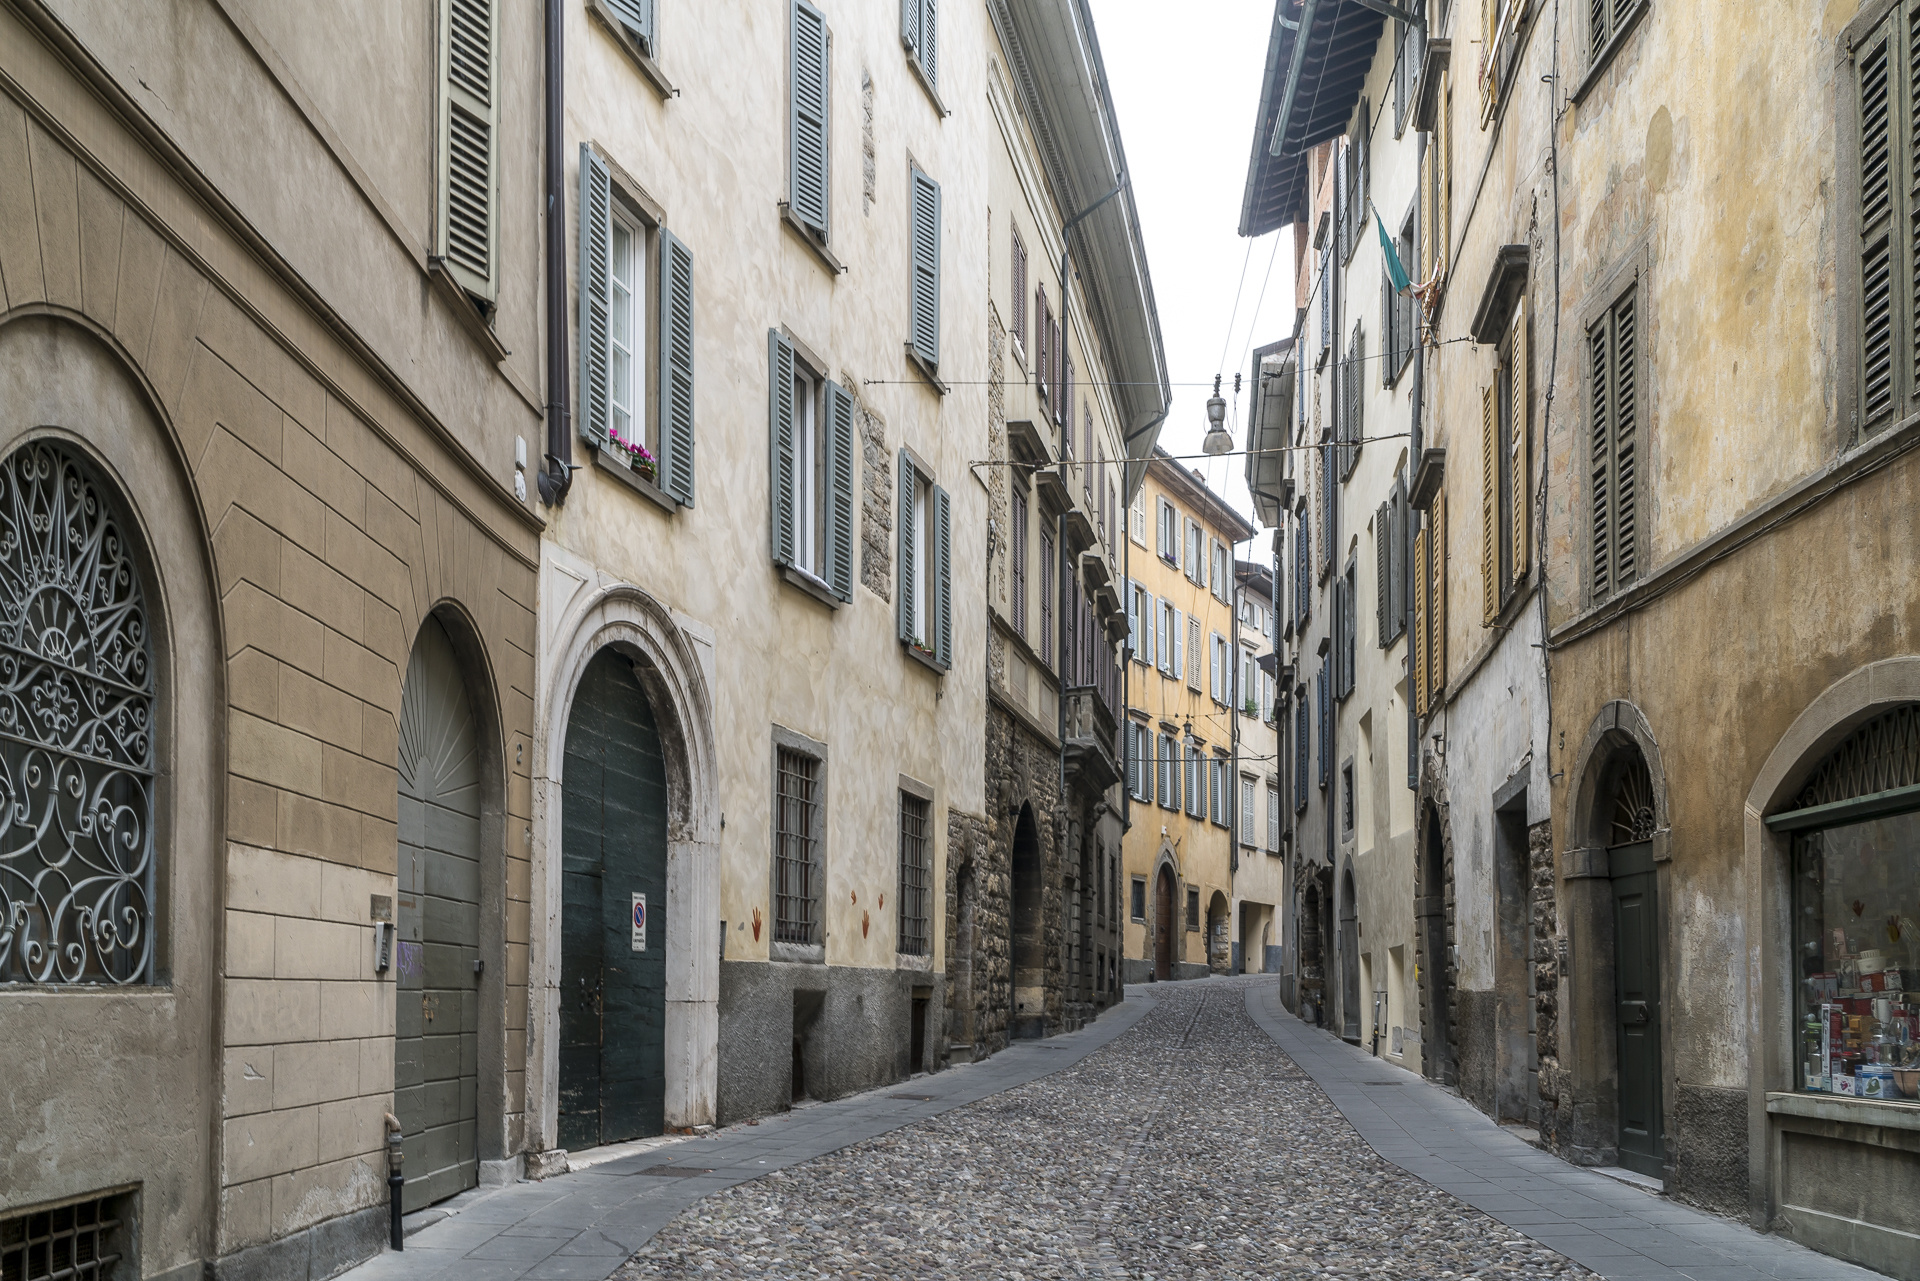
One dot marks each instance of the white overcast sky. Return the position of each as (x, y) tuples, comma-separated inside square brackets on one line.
[(1186, 83)]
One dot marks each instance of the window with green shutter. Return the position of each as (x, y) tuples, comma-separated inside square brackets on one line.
[(676, 367), (920, 34), (1886, 218), (810, 452), (925, 232), (468, 152), (618, 367), (1607, 21), (810, 98), (1613, 452), (925, 533), (637, 17)]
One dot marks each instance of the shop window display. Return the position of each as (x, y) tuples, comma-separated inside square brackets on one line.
[(1856, 902)]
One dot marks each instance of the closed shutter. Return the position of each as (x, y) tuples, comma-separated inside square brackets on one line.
[(1193, 651), (676, 368), (926, 268), (1326, 726), (1342, 160), (1133, 619), (941, 598), (1178, 670), (810, 160), (1437, 594), (1612, 461), (637, 17), (840, 446), (1213, 667), (1149, 620), (1422, 623), (1382, 558), (1520, 477), (1133, 760), (596, 230), (1353, 632), (1019, 289), (1397, 561), (904, 613), (920, 33), (1626, 427), (780, 496), (469, 144), (1489, 508)]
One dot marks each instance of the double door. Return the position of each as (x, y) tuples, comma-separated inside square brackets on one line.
[(613, 925)]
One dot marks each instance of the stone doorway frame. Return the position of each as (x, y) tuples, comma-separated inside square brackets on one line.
[(1585, 1083), (676, 675)]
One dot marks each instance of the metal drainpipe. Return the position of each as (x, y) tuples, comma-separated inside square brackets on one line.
[(556, 473), (1415, 449), (1060, 664)]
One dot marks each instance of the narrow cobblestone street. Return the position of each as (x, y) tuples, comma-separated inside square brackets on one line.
[(1192, 1146)]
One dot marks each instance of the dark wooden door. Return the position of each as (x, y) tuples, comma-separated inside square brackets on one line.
[(613, 861), (1163, 926), (436, 1047), (1349, 963), (1636, 971)]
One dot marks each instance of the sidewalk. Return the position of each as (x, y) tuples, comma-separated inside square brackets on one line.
[(582, 1226), (1618, 1230)]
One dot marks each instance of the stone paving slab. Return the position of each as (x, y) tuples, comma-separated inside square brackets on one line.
[(582, 1226), (1613, 1228)]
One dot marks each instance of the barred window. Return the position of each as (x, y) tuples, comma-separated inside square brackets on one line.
[(76, 730), (796, 849), (1193, 909), (915, 931), (80, 1241)]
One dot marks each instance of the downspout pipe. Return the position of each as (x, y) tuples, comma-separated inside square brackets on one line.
[(556, 469)]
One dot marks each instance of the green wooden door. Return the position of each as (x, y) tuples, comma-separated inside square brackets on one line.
[(436, 1049), (1637, 1007), (613, 862)]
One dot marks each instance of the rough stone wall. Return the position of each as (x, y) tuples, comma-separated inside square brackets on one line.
[(967, 846), (876, 502), (1708, 1148), (1020, 770), (1556, 1092), (999, 508), (1474, 1041)]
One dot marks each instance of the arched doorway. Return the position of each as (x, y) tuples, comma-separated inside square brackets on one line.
[(1349, 961), (437, 924), (1219, 934), (1636, 963), (614, 924), (1312, 947), (1029, 944), (1436, 963), (1164, 924)]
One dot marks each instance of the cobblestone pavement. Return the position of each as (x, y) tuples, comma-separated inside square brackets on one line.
[(1189, 1147)]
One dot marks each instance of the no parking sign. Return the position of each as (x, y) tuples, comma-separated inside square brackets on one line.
[(639, 922)]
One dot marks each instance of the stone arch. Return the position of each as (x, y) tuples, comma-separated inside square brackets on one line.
[(1027, 924), (1349, 955), (1434, 942), (1580, 1085), (1219, 934), (1165, 865), (673, 675), (65, 379)]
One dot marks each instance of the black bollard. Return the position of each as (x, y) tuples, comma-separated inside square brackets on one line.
[(396, 1181)]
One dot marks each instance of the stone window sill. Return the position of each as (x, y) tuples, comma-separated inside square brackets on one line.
[(798, 953), (922, 657), (926, 370), (812, 586), (808, 238), (933, 94), (909, 961), (1892, 1114), (603, 459), (631, 47)]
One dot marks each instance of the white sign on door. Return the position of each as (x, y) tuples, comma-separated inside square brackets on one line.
[(639, 922)]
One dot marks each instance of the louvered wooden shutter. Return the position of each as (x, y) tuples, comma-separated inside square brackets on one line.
[(1019, 290), (1437, 596), (1489, 508), (1422, 623), (1881, 258), (926, 268), (1520, 482), (1611, 345), (840, 491), (1626, 424), (637, 17), (1149, 625), (1179, 669), (810, 162), (920, 32), (1443, 189), (941, 598), (1428, 166), (904, 613), (780, 444), (1134, 638), (596, 202), (1382, 558), (1193, 651), (676, 368), (469, 144), (1343, 159), (1600, 455)]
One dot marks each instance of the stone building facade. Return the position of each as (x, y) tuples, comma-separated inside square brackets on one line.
[(275, 422)]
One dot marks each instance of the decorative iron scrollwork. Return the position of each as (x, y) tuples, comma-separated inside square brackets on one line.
[(1633, 804), (76, 731), (1879, 756)]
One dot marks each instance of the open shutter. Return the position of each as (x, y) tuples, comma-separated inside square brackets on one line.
[(1213, 667), (676, 368), (1382, 573), (811, 158), (637, 17), (1193, 650), (910, 11), (1150, 617), (1600, 457), (1489, 508), (930, 40), (904, 613), (1175, 668), (1133, 618), (840, 458), (1625, 441), (1877, 60), (1429, 165), (1443, 189), (1520, 486), (926, 268), (1437, 595), (940, 599), (780, 444), (1422, 623), (596, 204), (469, 130)]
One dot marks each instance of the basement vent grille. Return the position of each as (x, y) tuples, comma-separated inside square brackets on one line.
[(81, 1241)]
